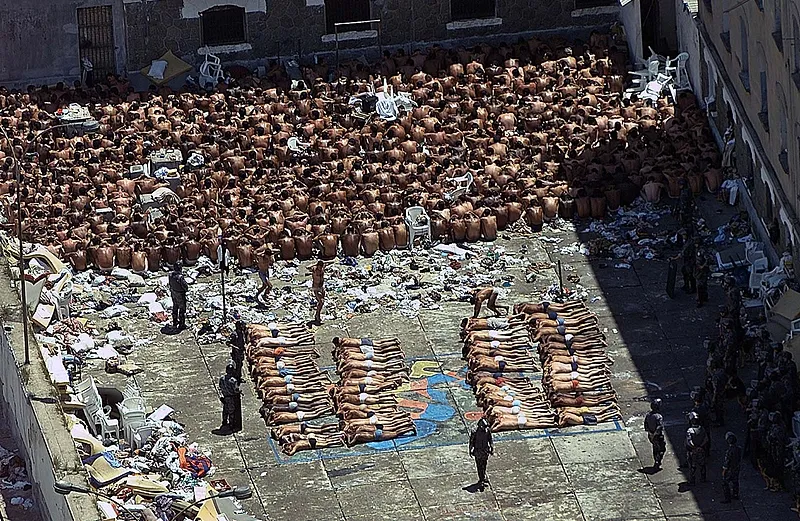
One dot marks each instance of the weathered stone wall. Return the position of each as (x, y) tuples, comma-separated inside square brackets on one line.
[(40, 40), (297, 27), (29, 401)]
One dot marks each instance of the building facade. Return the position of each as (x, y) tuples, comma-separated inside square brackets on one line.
[(48, 38), (746, 65)]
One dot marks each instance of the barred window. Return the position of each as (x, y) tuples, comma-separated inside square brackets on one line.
[(339, 11), (223, 25), (470, 9)]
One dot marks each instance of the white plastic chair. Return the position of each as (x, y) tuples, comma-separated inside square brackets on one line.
[(654, 88), (131, 390), (92, 403), (210, 71), (676, 68), (757, 271), (650, 72), (132, 421), (753, 250), (414, 222), (462, 183), (795, 328), (107, 424)]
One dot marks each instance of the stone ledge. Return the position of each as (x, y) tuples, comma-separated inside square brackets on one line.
[(315, 3), (224, 49), (474, 23), (350, 35), (193, 8), (595, 11)]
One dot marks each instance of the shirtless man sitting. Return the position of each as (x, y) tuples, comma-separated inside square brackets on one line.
[(488, 295)]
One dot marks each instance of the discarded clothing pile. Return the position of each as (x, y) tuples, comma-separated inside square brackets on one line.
[(575, 366), (498, 360), (288, 381), (370, 371)]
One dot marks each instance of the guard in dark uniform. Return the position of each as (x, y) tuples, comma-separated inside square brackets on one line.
[(719, 384), (231, 399), (480, 448), (703, 413), (654, 425), (696, 440), (701, 274), (178, 287), (730, 468), (686, 209), (237, 341), (688, 256)]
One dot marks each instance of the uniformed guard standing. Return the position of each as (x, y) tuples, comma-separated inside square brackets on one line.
[(701, 274), (689, 256), (178, 289), (480, 448), (696, 440), (730, 469), (231, 399), (703, 415), (237, 342), (654, 425)]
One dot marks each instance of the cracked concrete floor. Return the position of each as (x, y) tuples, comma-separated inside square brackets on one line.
[(581, 473)]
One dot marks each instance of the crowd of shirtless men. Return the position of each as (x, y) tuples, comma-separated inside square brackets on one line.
[(294, 390), (575, 385), (542, 126)]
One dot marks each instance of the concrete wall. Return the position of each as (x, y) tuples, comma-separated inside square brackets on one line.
[(32, 406), (765, 140), (297, 27), (630, 14), (688, 40), (40, 40)]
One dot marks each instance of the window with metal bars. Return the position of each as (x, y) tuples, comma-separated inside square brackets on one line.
[(340, 11), (471, 9), (223, 25)]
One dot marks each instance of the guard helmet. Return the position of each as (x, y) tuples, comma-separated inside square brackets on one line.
[(655, 405), (730, 438), (694, 419)]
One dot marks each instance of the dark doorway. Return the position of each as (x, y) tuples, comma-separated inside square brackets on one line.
[(339, 11), (650, 20), (96, 39)]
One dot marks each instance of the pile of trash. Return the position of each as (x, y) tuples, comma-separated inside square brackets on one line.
[(14, 479), (164, 473), (634, 233)]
